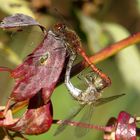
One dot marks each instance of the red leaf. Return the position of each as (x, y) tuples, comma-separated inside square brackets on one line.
[(126, 127), (19, 20), (110, 135), (40, 70), (36, 120)]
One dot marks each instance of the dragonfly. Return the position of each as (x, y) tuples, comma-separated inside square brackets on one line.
[(90, 97), (74, 45)]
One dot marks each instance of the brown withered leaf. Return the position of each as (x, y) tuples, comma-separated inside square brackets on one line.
[(40, 70), (19, 20), (36, 120)]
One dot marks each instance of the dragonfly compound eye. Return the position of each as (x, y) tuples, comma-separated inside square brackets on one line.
[(60, 27), (99, 84)]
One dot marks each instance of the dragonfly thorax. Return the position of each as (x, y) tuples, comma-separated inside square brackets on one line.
[(89, 96), (92, 93)]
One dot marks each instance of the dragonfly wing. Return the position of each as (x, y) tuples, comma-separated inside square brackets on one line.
[(72, 114), (81, 131), (86, 118), (102, 101)]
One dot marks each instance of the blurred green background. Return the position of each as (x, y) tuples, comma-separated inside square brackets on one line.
[(98, 23)]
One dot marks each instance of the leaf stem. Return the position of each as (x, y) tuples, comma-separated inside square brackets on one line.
[(107, 52)]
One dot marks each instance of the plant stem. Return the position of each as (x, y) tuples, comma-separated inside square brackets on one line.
[(107, 52)]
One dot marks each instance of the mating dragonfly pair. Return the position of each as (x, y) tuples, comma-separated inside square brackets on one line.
[(95, 80), (44, 55)]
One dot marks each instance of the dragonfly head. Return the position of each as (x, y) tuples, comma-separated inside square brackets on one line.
[(96, 81), (59, 29), (99, 84)]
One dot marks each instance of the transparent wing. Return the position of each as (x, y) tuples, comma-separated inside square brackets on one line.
[(63, 125), (102, 101), (86, 118)]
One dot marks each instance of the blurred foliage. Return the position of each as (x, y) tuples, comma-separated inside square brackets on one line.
[(98, 23)]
